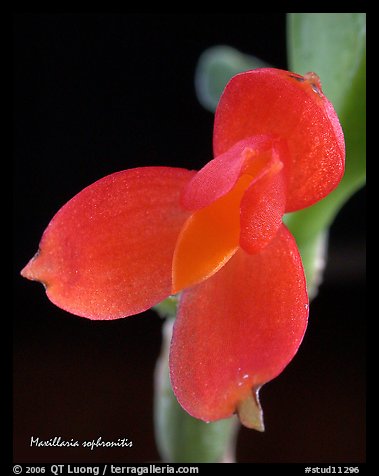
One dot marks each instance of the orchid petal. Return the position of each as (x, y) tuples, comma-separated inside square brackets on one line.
[(108, 252), (218, 177), (239, 329), (262, 208), (293, 108)]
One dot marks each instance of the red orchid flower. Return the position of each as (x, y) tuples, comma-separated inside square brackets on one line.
[(135, 237)]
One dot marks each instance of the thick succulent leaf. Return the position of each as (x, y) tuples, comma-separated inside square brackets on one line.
[(330, 44)]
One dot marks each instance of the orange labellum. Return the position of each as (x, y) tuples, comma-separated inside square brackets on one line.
[(209, 238)]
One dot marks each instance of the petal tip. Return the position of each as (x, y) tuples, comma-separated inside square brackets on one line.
[(31, 270), (250, 412)]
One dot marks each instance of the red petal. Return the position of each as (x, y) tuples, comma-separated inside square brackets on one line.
[(238, 329), (220, 175), (108, 252), (279, 103), (262, 208)]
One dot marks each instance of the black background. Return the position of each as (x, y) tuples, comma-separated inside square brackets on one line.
[(94, 94)]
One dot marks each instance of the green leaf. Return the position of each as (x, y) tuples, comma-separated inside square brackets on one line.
[(333, 45), (179, 437), (330, 44), (215, 67)]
